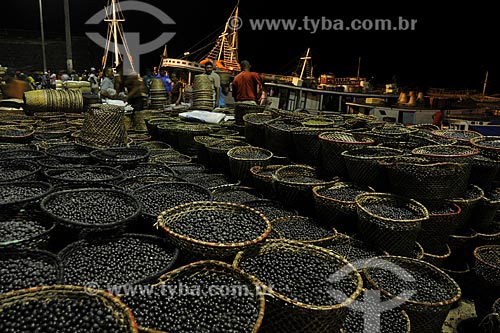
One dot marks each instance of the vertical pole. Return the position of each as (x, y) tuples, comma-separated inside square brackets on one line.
[(485, 83), (115, 34), (359, 67), (43, 38), (67, 25)]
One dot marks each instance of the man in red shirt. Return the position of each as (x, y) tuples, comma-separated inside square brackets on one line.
[(247, 86)]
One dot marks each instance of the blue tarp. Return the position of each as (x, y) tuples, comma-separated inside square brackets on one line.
[(486, 130)]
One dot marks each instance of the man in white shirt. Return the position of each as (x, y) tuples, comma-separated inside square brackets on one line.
[(215, 79)]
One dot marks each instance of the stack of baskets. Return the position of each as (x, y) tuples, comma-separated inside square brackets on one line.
[(50, 100), (203, 93), (158, 94), (16, 133)]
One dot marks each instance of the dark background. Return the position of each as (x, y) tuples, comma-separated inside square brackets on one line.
[(453, 46)]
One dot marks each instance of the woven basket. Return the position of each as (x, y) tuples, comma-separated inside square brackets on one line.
[(16, 133), (467, 203), (484, 212), (244, 285), (484, 171), (152, 125), (146, 169), (392, 320), (22, 154), (185, 137), (285, 226), (168, 194), (286, 314), (121, 156), (437, 258), (27, 275), (235, 194), (170, 158), (262, 178), (180, 169), (132, 184), (294, 184), (272, 209), (38, 239), (425, 127), (217, 153), (23, 194), (83, 175), (201, 143), (103, 127), (425, 316), (154, 145), (209, 181), (278, 135), (120, 313), (428, 183), (395, 235), (488, 146), (255, 130), (307, 144), (18, 170), (84, 224), (462, 136), (240, 110), (391, 133), (241, 159), (364, 168), (486, 271), (215, 250), (17, 146), (338, 212), (332, 145), (435, 231), (300, 115), (69, 153), (146, 272), (352, 249), (447, 153)]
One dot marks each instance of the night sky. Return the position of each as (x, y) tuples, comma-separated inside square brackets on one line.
[(450, 47)]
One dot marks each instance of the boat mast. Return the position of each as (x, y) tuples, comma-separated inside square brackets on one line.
[(305, 60), (115, 31), (485, 83)]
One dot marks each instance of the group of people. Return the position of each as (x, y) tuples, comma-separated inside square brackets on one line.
[(246, 88)]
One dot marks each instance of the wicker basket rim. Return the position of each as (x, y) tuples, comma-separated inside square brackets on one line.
[(477, 142), (54, 173), (283, 219), (47, 186), (26, 129), (315, 190), (147, 175), (442, 133), (122, 193), (425, 264), (323, 136), (147, 187), (446, 254), (180, 209), (397, 197), (233, 151), (463, 200), (21, 294), (213, 145), (68, 250), (421, 151), (457, 210), (478, 255), (350, 153), (215, 265), (299, 246), (51, 226)]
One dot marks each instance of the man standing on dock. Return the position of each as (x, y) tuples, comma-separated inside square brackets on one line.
[(247, 86)]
